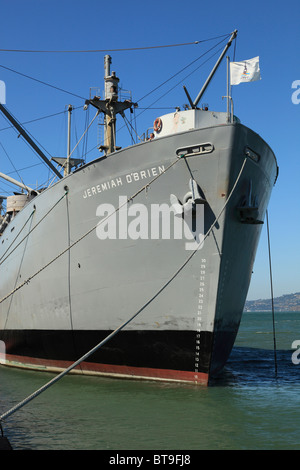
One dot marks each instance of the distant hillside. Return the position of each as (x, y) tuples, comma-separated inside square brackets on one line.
[(285, 303)]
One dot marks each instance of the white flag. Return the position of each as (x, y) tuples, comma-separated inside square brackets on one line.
[(246, 71)]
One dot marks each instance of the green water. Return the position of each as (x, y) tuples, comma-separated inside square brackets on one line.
[(246, 408)]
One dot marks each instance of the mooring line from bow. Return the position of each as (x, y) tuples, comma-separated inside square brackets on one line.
[(272, 296)]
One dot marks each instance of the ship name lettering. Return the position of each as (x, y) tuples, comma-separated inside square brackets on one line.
[(129, 178), (139, 175), (99, 188)]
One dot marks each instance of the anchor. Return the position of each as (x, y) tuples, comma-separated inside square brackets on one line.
[(248, 208), (190, 200)]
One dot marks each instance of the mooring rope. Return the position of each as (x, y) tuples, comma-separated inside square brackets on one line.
[(272, 296), (112, 334)]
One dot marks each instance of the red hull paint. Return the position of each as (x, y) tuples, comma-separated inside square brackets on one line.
[(90, 368)]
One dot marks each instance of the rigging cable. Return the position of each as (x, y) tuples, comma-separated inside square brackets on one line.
[(39, 119), (118, 49), (97, 114), (99, 50), (176, 84), (272, 296), (42, 82), (12, 164), (32, 137), (181, 70)]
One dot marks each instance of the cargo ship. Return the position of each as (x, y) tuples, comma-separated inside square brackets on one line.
[(159, 236)]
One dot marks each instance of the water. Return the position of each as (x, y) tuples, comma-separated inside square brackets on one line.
[(246, 408)]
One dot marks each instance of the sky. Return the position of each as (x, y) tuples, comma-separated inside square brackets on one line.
[(270, 106)]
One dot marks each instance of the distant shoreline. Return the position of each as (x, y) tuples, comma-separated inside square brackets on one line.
[(285, 303), (269, 311)]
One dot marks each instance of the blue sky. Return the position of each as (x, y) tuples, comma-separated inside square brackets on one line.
[(266, 29)]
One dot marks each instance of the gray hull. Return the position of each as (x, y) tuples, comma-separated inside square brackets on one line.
[(186, 333)]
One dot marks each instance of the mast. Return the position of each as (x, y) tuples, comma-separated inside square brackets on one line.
[(232, 37), (111, 95), (110, 106), (29, 140)]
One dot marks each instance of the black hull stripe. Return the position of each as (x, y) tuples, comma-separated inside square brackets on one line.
[(170, 350)]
